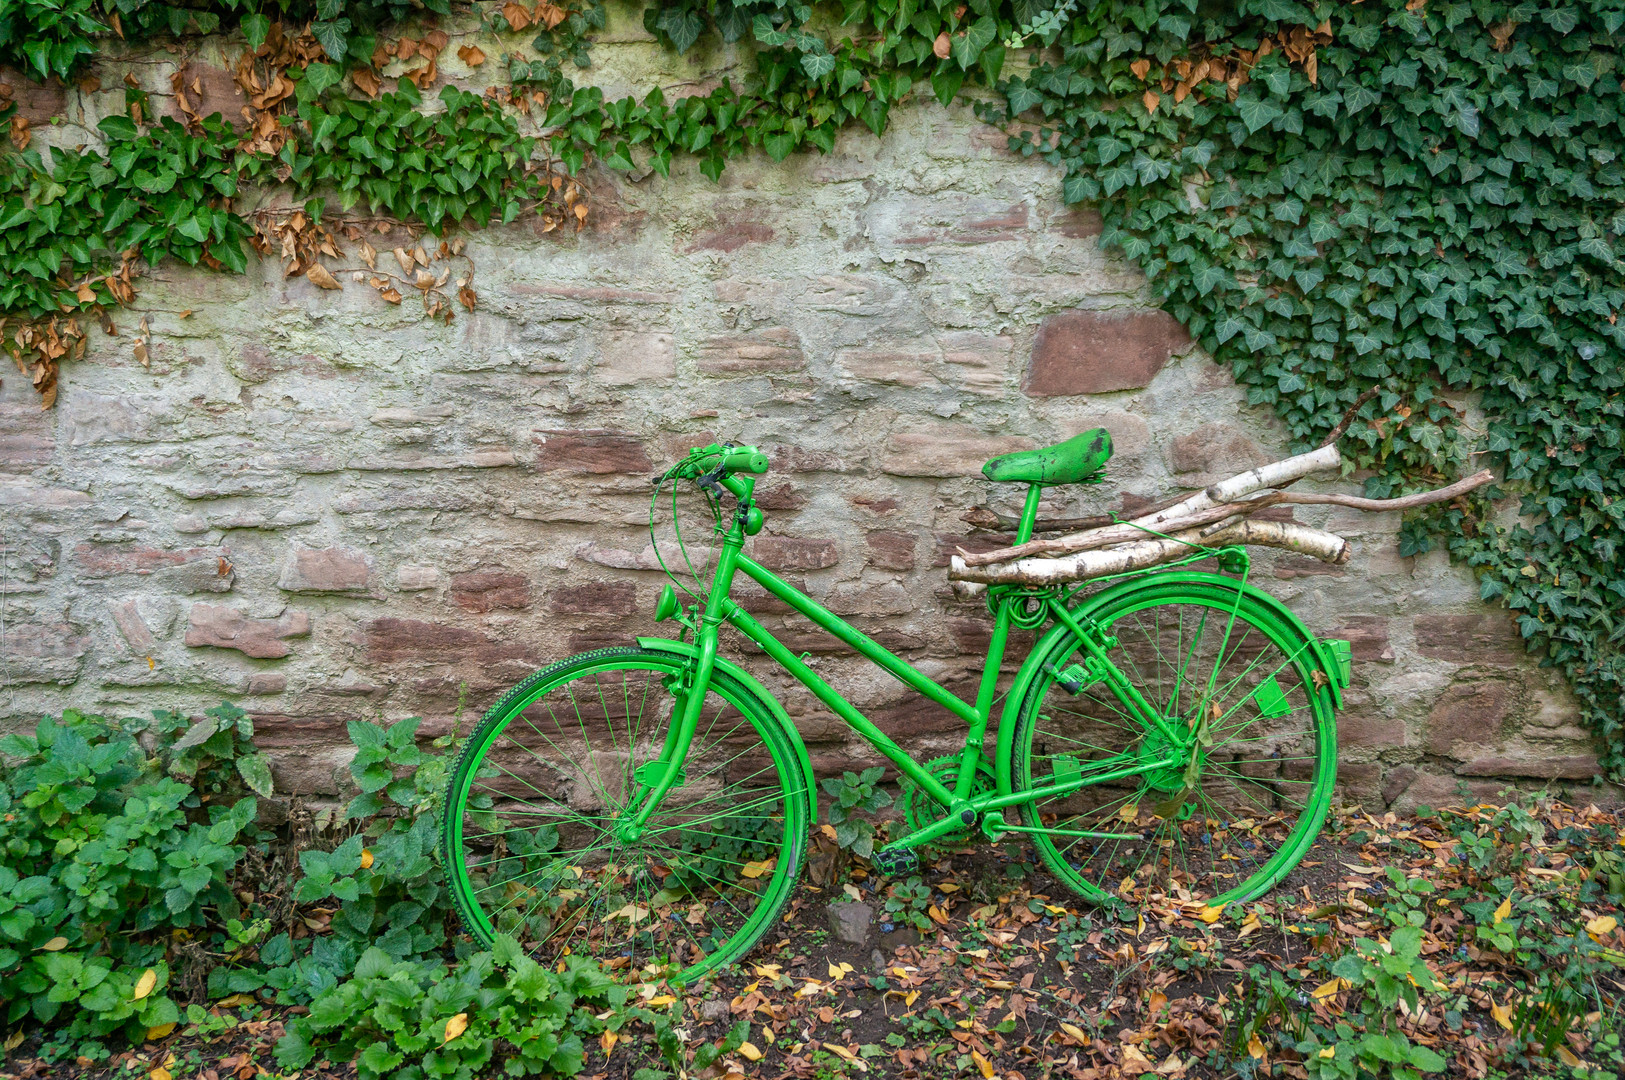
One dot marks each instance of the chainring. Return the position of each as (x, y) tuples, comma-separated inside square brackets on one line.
[(920, 809)]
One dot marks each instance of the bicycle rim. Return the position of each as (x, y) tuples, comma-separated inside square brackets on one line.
[(1224, 665), (530, 835)]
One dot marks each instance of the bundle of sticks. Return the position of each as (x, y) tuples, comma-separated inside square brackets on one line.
[(1216, 516)]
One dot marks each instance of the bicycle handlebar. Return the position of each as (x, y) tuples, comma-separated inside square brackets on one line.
[(745, 459), (719, 459)]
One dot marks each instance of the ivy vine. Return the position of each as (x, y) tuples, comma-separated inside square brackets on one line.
[(1386, 206)]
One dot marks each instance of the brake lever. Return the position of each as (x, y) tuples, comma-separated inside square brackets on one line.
[(709, 481)]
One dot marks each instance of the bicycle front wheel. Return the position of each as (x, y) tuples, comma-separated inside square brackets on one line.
[(531, 833), (1242, 685)]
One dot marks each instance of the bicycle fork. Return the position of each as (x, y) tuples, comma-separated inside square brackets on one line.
[(658, 777)]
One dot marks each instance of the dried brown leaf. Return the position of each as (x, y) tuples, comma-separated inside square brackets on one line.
[(369, 255), (518, 17), (942, 46), (319, 274), (1151, 100), (366, 80), (404, 257), (1141, 68), (471, 55)]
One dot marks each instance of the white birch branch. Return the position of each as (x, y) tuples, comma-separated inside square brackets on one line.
[(1138, 556)]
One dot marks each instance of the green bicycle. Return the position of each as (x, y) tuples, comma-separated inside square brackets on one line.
[(649, 806)]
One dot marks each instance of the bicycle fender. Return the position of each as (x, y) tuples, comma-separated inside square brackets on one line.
[(750, 683), (1323, 655)]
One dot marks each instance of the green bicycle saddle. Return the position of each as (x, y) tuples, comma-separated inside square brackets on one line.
[(1078, 459)]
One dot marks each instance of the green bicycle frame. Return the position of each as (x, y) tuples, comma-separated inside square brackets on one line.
[(962, 809)]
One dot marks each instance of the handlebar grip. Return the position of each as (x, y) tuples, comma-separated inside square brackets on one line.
[(752, 461)]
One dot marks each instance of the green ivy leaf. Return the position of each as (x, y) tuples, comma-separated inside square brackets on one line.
[(967, 45), (333, 36), (320, 77), (817, 65)]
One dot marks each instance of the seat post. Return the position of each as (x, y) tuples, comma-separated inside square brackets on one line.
[(1029, 514)]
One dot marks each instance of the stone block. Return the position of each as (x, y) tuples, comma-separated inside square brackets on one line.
[(1130, 434), (595, 452), (267, 682), (1077, 223), (90, 418), (731, 237), (27, 494), (325, 570), (203, 90), (1365, 725), (794, 553), (890, 550), (945, 450), (1097, 352), (1398, 779), (782, 496), (1468, 717), (592, 638), (1480, 638), (20, 450), (183, 570), (1216, 450), (626, 357), (127, 617), (1436, 790), (1561, 767), (42, 652), (1367, 636), (416, 578), (36, 102), (645, 558), (858, 598), (898, 368), (595, 598), (914, 716), (1359, 781), (974, 222), (487, 590), (976, 362), (764, 352), (390, 640), (228, 628)]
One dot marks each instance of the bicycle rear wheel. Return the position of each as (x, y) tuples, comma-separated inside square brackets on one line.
[(530, 830), (1243, 684)]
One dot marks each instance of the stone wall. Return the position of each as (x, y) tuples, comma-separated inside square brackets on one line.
[(327, 508)]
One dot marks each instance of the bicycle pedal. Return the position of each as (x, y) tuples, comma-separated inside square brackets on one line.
[(895, 863)]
